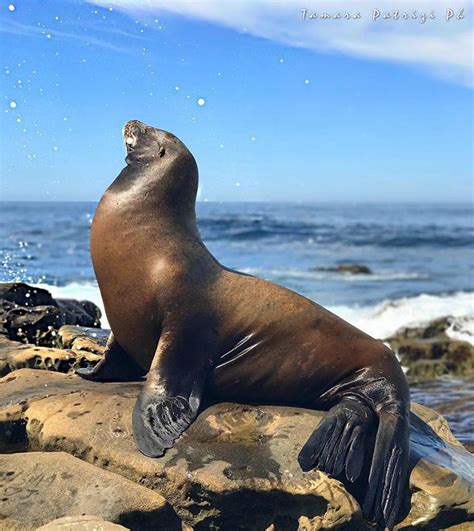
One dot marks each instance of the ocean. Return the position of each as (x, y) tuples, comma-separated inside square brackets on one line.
[(421, 255)]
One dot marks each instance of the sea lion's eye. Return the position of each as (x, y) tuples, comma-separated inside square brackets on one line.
[(162, 151)]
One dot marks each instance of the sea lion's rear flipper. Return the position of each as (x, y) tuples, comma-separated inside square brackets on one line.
[(337, 445), (115, 366), (171, 395), (387, 496), (340, 444)]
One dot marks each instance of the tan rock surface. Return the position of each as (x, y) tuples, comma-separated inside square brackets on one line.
[(81, 523), (236, 465), (15, 355), (37, 487), (81, 337)]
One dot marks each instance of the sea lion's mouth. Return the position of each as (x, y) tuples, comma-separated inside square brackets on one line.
[(136, 134), (130, 134)]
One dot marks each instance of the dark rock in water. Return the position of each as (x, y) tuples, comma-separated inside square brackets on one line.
[(31, 315), (428, 352), (355, 269), (236, 466), (37, 487)]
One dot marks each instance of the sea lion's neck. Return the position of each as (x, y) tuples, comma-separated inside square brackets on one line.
[(155, 201)]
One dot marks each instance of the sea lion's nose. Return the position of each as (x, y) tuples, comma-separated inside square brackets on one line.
[(132, 130)]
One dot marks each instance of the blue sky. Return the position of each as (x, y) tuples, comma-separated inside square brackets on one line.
[(294, 110)]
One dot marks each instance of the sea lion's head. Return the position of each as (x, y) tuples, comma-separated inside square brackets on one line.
[(160, 160), (146, 144)]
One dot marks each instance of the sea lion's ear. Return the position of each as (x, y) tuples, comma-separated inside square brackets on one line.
[(170, 399)]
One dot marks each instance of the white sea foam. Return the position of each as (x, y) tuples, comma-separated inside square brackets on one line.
[(380, 320), (384, 319)]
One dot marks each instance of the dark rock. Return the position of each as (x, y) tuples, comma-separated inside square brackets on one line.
[(428, 352), (81, 313), (33, 324), (30, 315), (355, 269), (24, 295)]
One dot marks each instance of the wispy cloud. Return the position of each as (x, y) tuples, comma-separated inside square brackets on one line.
[(444, 48), (29, 30)]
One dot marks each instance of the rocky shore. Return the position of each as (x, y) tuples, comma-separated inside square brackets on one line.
[(428, 352), (67, 451)]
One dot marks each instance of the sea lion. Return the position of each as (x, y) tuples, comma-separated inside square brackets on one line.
[(200, 329)]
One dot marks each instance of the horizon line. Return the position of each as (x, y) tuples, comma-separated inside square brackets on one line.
[(272, 201)]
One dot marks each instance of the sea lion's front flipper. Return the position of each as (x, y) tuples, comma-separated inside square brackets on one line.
[(115, 366), (337, 445), (171, 395)]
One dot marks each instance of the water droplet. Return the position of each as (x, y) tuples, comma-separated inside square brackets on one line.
[(55, 148), (306, 81), (11, 8), (48, 35), (201, 102), (237, 184), (13, 104), (176, 88), (252, 138), (282, 60)]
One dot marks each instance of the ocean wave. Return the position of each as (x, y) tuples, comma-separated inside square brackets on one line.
[(380, 320), (322, 275)]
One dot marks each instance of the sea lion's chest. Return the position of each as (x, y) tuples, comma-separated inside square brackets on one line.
[(124, 268)]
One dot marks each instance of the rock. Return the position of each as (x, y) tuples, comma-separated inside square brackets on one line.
[(82, 338), (15, 355), (232, 457), (81, 313), (80, 523), (31, 315), (428, 352), (36, 487), (22, 387), (24, 295), (355, 269)]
